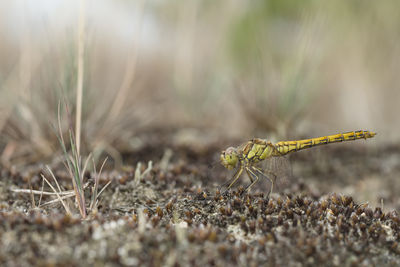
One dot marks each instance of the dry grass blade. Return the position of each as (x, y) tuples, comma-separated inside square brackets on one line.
[(32, 196), (104, 187), (58, 195), (41, 192), (85, 167), (96, 184), (54, 177), (96, 202), (58, 200)]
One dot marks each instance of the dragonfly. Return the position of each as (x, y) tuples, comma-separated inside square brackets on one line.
[(246, 156)]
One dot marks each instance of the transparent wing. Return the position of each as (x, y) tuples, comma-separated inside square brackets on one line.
[(280, 168)]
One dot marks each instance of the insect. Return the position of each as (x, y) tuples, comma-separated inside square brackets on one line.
[(247, 155)]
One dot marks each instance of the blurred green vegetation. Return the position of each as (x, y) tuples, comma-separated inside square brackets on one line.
[(237, 68), (268, 54)]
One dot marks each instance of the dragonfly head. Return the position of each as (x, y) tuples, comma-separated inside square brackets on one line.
[(229, 158)]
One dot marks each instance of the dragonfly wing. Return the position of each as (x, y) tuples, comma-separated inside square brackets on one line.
[(279, 167)]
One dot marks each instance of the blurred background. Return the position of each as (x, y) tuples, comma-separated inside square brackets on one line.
[(234, 69)]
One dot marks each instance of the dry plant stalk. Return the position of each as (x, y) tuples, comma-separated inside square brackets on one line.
[(79, 87)]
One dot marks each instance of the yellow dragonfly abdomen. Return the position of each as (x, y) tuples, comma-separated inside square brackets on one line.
[(285, 147)]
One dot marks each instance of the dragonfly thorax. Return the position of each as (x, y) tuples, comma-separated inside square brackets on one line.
[(229, 158)]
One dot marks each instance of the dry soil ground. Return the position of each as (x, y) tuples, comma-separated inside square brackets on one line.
[(340, 207)]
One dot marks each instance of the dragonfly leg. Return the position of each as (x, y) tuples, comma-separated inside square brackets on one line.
[(265, 176), (233, 180), (252, 176), (236, 176)]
